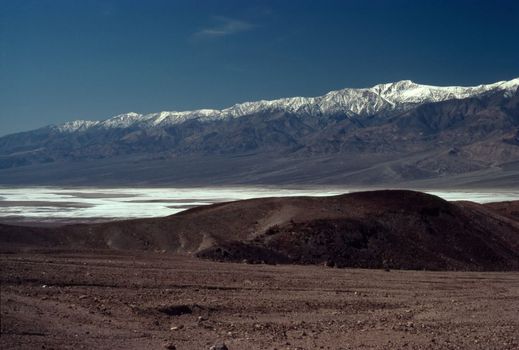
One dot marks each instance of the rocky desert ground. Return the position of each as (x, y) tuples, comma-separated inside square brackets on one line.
[(116, 300), (443, 276)]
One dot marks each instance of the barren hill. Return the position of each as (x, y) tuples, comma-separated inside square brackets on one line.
[(394, 229)]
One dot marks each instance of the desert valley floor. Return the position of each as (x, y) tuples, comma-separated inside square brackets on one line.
[(267, 280), (116, 300)]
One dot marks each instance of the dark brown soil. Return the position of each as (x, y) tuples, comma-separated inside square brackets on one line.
[(116, 300), (391, 229), (509, 209)]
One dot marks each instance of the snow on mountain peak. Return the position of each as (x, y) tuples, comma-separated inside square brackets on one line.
[(76, 125), (401, 95)]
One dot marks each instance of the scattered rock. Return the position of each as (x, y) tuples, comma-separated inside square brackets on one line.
[(170, 347), (329, 263), (176, 310), (385, 265), (219, 346)]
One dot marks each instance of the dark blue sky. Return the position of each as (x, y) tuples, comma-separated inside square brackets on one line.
[(79, 59)]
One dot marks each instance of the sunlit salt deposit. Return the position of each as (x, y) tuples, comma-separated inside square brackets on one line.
[(53, 203)]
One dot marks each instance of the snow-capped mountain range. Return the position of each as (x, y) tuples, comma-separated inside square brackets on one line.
[(398, 96), (388, 134)]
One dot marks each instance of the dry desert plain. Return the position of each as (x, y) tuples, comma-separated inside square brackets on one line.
[(117, 300), (139, 284)]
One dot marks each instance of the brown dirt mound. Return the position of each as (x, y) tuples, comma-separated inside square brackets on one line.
[(509, 209), (389, 229), (392, 229)]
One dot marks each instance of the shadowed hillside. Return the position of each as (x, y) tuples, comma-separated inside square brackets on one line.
[(394, 229)]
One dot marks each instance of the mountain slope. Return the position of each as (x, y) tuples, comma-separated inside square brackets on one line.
[(386, 134)]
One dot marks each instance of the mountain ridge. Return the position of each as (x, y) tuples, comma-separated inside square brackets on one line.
[(351, 101), (473, 139)]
